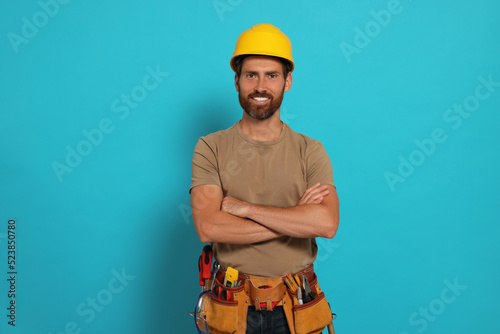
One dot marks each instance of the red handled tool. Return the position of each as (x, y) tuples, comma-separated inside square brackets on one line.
[(202, 281), (222, 293), (204, 263)]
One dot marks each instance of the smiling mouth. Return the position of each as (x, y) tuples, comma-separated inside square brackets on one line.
[(260, 99)]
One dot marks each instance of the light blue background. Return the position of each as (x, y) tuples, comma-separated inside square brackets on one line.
[(125, 205)]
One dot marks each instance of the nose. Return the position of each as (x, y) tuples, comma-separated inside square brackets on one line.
[(261, 86)]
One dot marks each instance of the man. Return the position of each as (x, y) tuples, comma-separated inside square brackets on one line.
[(261, 193)]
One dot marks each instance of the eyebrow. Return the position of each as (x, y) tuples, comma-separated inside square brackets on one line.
[(267, 73)]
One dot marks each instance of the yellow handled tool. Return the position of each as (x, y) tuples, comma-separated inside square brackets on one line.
[(231, 276)]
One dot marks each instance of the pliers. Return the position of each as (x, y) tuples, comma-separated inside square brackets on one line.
[(222, 293)]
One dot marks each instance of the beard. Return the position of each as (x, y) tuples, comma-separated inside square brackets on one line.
[(261, 112)]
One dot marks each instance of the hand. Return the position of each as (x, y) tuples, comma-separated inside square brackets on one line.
[(235, 207), (314, 194)]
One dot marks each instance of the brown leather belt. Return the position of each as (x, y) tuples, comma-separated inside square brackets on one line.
[(309, 272)]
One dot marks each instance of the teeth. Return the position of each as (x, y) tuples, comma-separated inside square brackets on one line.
[(260, 99)]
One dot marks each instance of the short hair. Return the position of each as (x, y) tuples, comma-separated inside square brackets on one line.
[(238, 64)]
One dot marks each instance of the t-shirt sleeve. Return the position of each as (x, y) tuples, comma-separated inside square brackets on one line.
[(319, 167), (204, 168)]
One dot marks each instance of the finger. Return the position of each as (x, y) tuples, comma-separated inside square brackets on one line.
[(323, 191), (225, 204), (320, 193), (311, 188), (318, 200), (312, 192), (315, 197)]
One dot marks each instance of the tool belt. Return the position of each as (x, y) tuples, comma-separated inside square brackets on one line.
[(229, 315)]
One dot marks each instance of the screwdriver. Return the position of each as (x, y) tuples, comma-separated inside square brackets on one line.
[(204, 263)]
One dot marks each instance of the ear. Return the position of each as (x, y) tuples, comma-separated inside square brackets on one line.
[(236, 85), (288, 82)]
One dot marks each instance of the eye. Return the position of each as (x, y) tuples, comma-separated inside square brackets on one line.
[(250, 75), (273, 76)]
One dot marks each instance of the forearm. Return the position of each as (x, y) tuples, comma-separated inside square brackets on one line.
[(225, 228), (214, 225), (315, 215), (301, 221)]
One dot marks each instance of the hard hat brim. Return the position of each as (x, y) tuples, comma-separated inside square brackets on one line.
[(233, 63)]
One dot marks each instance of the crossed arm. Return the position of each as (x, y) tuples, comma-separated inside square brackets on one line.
[(229, 220)]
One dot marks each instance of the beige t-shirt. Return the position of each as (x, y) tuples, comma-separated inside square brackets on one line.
[(274, 173)]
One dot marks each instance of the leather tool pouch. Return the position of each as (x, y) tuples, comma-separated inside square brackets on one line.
[(314, 316), (270, 295), (262, 298), (223, 316)]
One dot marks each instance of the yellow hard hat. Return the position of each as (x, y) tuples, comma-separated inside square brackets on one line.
[(263, 39)]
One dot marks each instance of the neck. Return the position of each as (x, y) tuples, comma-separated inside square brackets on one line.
[(262, 130)]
